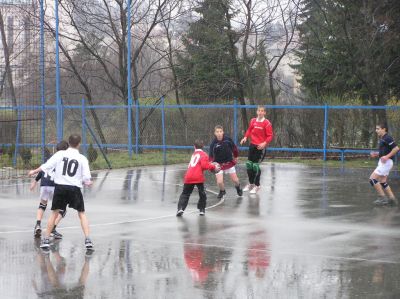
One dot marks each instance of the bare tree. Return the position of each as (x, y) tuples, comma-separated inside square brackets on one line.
[(288, 14), (7, 53)]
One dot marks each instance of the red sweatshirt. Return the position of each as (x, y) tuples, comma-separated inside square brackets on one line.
[(197, 165), (260, 131)]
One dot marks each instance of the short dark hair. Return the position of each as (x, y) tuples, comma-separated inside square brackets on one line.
[(74, 140), (198, 144), (383, 125), (262, 107), (62, 146), (218, 127)]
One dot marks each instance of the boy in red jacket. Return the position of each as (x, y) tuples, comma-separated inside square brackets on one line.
[(261, 134), (194, 177)]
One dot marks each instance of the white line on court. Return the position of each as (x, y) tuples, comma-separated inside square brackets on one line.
[(128, 221)]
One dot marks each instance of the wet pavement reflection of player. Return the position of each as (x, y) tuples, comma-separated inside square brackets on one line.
[(203, 262), (50, 283)]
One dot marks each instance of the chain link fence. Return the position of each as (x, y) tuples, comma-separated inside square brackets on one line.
[(301, 131)]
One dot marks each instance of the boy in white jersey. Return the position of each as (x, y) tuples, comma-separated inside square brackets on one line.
[(71, 170)]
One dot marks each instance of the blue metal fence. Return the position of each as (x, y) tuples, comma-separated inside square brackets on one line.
[(163, 107)]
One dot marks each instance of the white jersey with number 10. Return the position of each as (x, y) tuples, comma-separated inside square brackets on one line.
[(71, 167)]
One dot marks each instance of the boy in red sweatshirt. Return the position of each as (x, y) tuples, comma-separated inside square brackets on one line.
[(261, 134), (194, 177)]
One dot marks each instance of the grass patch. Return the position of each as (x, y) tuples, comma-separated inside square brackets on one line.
[(122, 160)]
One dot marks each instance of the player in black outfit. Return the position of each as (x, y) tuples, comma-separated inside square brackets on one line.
[(224, 151), (378, 179)]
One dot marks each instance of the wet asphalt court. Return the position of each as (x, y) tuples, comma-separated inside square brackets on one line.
[(311, 232)]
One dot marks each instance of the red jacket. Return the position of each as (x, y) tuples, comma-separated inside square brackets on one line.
[(260, 132), (197, 165)]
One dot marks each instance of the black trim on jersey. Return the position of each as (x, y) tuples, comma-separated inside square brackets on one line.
[(45, 179)]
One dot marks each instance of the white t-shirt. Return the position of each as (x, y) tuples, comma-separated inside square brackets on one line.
[(72, 168)]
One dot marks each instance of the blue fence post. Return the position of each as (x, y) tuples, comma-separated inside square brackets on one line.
[(84, 141), (163, 130), (129, 85), (42, 74), (58, 98), (137, 126), (235, 124), (325, 129), (16, 150)]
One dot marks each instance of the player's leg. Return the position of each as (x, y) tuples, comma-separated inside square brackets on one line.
[(250, 169), (85, 228), (374, 180), (55, 233), (201, 205), (76, 202), (40, 211), (220, 182), (50, 224), (257, 170), (235, 180), (37, 231), (251, 176), (388, 191), (84, 223), (184, 198), (378, 180)]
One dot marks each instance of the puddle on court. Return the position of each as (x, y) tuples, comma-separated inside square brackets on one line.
[(311, 233)]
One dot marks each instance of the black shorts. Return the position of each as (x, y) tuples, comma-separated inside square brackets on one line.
[(68, 195), (255, 155)]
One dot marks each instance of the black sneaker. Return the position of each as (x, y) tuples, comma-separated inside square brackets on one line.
[(239, 191), (45, 243), (221, 194), (179, 213), (383, 201), (56, 235), (88, 243), (202, 212), (37, 231)]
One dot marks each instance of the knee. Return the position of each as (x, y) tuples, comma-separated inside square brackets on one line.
[(43, 206), (373, 181), (384, 185), (249, 165), (256, 167)]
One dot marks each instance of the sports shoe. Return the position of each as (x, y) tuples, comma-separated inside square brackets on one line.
[(45, 243), (56, 235), (179, 213), (239, 191), (248, 187), (202, 212), (255, 190), (37, 231), (88, 243), (221, 194), (383, 201)]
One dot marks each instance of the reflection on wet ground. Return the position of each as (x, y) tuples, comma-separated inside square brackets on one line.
[(310, 233)]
